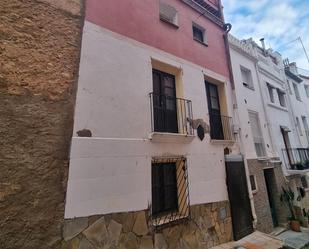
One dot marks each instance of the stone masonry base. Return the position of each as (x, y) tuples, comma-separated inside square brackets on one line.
[(208, 226), (261, 202)]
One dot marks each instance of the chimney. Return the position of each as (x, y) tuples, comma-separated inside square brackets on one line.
[(263, 44)]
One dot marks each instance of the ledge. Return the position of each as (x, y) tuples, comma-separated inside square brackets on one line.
[(223, 142), (297, 172), (278, 107), (164, 137)]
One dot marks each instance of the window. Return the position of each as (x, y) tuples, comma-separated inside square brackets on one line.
[(304, 181), (246, 77), (307, 90), (299, 127), (170, 198), (296, 91), (281, 96), (289, 87), (271, 93), (168, 14), (253, 183), (199, 33), (305, 123), (164, 188), (258, 139)]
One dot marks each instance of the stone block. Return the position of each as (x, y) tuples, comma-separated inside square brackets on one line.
[(146, 243), (128, 241), (114, 231), (140, 226), (160, 242), (73, 227), (97, 233)]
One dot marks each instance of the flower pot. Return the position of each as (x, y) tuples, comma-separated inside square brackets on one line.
[(295, 225), (305, 222), (299, 167)]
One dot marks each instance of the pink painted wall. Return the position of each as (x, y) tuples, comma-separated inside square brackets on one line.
[(139, 19)]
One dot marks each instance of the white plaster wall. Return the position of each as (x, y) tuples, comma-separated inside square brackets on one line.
[(248, 99), (299, 109), (111, 171)]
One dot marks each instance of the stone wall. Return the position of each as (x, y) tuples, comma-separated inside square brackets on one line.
[(39, 57), (208, 225), (261, 202)]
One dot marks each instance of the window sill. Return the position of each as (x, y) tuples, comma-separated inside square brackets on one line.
[(169, 23), (165, 137), (278, 107), (249, 87), (164, 220), (297, 171), (203, 43), (223, 142)]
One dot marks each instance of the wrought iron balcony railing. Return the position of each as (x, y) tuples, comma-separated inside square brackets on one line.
[(170, 114), (296, 158), (211, 6), (220, 127)]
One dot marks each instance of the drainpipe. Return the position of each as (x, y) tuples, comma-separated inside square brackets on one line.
[(241, 147)]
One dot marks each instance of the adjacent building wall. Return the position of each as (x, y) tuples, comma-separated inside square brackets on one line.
[(140, 21), (39, 56)]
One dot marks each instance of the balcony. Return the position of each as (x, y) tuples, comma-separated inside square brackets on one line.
[(209, 8), (170, 118), (221, 128), (296, 159)]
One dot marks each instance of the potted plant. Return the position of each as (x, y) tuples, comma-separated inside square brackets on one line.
[(288, 198), (305, 220), (299, 166), (306, 164)]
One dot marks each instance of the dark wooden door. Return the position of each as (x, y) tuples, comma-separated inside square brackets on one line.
[(164, 102), (239, 199), (270, 182), (216, 129)]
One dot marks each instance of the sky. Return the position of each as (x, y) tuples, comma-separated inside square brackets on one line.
[(278, 21)]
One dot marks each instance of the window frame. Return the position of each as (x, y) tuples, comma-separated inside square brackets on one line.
[(161, 218), (298, 125), (165, 18), (281, 97), (255, 183), (202, 30), (306, 90), (296, 91), (257, 138), (271, 95), (249, 77)]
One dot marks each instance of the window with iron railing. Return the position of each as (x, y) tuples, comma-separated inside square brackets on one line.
[(169, 113), (170, 190)]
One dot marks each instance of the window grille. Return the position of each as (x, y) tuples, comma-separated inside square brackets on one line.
[(170, 191)]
